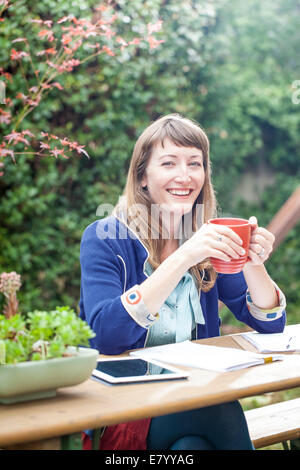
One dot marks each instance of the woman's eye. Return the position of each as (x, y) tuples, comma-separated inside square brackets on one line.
[(170, 163)]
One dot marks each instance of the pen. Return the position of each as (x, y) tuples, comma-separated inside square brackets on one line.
[(289, 342)]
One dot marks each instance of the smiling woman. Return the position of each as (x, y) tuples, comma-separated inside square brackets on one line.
[(147, 278), (169, 178)]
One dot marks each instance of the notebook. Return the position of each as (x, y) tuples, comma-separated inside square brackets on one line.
[(287, 341), (206, 357)]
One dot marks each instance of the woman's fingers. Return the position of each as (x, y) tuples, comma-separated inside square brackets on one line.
[(223, 243), (254, 251), (219, 255), (222, 230), (229, 242), (262, 235), (261, 245), (218, 242), (230, 248), (253, 221)]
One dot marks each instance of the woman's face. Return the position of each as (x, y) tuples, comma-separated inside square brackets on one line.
[(174, 177)]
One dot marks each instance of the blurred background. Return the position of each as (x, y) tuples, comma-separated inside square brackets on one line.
[(228, 64)]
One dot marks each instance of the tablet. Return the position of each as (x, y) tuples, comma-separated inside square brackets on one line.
[(132, 369)]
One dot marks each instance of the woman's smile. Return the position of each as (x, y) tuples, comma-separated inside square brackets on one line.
[(180, 193)]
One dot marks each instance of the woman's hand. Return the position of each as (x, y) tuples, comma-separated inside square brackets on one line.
[(217, 241), (261, 244)]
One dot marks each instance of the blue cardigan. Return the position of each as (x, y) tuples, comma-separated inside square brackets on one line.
[(113, 260)]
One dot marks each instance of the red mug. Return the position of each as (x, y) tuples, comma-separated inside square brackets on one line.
[(243, 228)]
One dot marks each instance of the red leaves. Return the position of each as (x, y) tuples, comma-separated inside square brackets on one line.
[(74, 146), (17, 55), (16, 137), (108, 51), (13, 138), (66, 144), (45, 33), (68, 35), (19, 40), (47, 23), (64, 19), (108, 33), (101, 8), (75, 31), (155, 27), (122, 42), (154, 43), (6, 75), (5, 117), (57, 85), (56, 152), (51, 51), (4, 152), (66, 39), (21, 96), (66, 66), (73, 46), (44, 146), (28, 100), (135, 41)]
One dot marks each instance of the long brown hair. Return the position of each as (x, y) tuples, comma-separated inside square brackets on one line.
[(185, 133)]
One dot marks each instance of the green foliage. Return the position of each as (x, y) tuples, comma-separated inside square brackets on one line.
[(228, 64), (43, 335)]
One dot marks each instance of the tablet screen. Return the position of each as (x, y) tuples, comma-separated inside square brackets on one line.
[(134, 370)]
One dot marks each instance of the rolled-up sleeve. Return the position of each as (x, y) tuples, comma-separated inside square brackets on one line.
[(233, 292), (133, 303), (267, 314)]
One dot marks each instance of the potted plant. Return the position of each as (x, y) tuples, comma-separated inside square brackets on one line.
[(42, 352)]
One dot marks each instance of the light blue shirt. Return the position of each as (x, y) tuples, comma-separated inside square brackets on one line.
[(178, 315)]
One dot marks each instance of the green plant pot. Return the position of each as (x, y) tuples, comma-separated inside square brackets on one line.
[(40, 379)]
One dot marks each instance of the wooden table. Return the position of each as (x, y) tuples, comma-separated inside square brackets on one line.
[(91, 405)]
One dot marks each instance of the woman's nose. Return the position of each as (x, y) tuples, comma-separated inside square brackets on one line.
[(183, 174)]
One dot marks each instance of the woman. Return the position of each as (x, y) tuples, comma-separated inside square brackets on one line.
[(145, 267)]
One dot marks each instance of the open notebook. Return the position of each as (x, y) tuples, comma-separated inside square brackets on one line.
[(203, 356), (287, 341)]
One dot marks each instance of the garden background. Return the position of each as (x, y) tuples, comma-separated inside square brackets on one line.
[(228, 64), (231, 65)]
